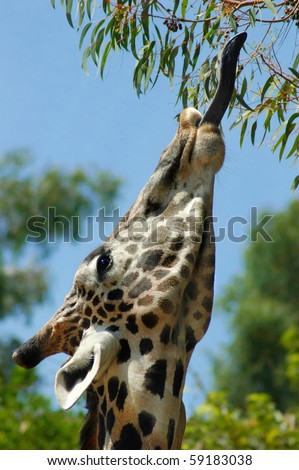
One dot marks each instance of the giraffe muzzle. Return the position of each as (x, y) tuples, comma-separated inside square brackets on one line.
[(28, 355), (31, 353)]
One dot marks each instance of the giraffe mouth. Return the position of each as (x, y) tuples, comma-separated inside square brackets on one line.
[(28, 355), (31, 353)]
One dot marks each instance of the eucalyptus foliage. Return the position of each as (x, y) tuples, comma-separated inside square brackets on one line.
[(181, 40)]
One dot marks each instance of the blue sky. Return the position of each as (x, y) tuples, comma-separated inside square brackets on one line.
[(50, 107)]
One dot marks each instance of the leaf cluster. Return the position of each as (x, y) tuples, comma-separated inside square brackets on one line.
[(28, 420), (170, 39), (216, 424)]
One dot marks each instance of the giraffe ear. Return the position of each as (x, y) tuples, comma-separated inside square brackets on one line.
[(95, 353)]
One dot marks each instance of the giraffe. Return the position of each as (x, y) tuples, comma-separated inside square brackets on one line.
[(142, 300)]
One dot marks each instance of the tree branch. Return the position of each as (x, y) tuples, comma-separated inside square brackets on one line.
[(276, 71), (245, 3)]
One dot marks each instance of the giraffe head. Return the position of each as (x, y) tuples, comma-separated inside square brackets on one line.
[(143, 299)]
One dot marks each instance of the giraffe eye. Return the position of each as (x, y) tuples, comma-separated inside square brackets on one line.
[(103, 263)]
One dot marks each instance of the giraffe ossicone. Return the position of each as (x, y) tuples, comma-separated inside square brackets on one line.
[(142, 300)]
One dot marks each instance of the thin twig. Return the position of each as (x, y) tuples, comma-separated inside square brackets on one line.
[(278, 72)]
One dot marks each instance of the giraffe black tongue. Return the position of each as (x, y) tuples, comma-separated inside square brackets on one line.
[(225, 88)]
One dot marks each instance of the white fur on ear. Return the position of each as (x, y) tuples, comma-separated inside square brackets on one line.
[(95, 353)]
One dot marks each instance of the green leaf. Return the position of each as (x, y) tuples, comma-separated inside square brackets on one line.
[(133, 35), (141, 68), (295, 183), (294, 149), (291, 123), (104, 58), (96, 30), (282, 147), (282, 141), (244, 87), (69, 6), (83, 34), (171, 64), (106, 6), (93, 54), (206, 85), (232, 23), (176, 5), (267, 85), (159, 35), (110, 26), (267, 122), (90, 7), (195, 55), (296, 61), (53, 3), (278, 131), (270, 5), (183, 92), (145, 22), (294, 72), (85, 56), (252, 16), (99, 40), (290, 127), (243, 102), (184, 8), (81, 13), (149, 71), (252, 133), (125, 36), (242, 133)]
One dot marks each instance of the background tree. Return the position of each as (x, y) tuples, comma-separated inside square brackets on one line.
[(262, 304), (25, 194), (217, 424), (28, 420), (257, 378), (181, 39)]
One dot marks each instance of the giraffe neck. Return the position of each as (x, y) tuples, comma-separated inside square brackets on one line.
[(120, 418), (149, 374)]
